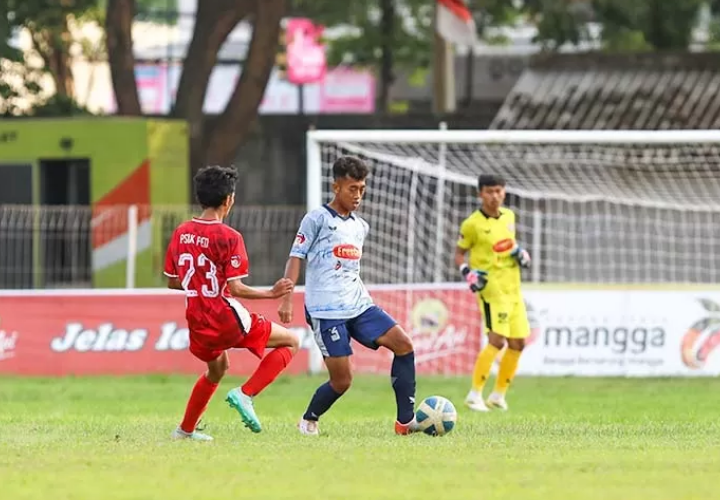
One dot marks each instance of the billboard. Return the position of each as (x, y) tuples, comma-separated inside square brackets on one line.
[(133, 332), (574, 332)]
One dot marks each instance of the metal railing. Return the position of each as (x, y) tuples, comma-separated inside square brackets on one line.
[(84, 247)]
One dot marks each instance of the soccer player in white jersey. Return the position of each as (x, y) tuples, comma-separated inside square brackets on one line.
[(337, 304)]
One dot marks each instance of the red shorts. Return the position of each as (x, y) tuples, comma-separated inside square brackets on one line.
[(209, 345)]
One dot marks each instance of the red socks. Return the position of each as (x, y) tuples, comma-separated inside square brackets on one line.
[(199, 399), (267, 371)]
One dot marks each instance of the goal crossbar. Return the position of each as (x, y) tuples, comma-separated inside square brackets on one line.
[(520, 136), (350, 138)]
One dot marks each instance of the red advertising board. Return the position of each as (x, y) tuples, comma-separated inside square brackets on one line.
[(124, 332)]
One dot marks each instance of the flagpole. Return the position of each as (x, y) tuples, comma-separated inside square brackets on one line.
[(443, 73)]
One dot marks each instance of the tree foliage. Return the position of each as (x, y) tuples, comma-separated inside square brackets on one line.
[(380, 34), (56, 42), (626, 25), (385, 35), (360, 39)]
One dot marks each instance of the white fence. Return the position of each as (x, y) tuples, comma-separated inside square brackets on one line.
[(62, 247)]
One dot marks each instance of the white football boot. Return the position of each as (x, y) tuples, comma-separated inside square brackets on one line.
[(474, 401), (178, 434), (309, 427), (496, 400)]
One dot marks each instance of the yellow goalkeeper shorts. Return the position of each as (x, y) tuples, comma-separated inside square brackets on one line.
[(506, 317)]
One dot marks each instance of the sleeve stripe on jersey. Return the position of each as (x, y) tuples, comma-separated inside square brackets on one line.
[(299, 255), (237, 277), (170, 275)]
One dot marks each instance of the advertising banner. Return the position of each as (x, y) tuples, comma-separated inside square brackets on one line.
[(573, 332), (341, 90), (623, 333), (305, 52), (119, 332)]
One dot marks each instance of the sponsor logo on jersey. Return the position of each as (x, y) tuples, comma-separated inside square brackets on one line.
[(503, 245), (702, 338), (347, 251), (300, 238), (235, 261)]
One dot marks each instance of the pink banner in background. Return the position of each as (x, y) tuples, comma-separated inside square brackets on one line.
[(347, 91), (305, 53)]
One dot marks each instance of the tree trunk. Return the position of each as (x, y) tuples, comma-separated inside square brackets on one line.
[(118, 29), (214, 21), (53, 41), (387, 32), (64, 80), (231, 127)]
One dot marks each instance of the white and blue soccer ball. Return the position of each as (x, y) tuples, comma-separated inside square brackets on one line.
[(436, 416)]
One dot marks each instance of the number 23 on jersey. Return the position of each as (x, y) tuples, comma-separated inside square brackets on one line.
[(187, 262)]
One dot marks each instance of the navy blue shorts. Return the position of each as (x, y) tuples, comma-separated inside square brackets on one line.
[(333, 335)]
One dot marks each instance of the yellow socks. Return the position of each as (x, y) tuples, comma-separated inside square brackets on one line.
[(508, 367), (483, 364)]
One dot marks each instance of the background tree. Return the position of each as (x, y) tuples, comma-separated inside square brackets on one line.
[(215, 20), (49, 26), (392, 35), (383, 35), (626, 25), (56, 42)]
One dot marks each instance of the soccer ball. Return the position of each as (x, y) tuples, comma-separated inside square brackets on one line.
[(436, 416)]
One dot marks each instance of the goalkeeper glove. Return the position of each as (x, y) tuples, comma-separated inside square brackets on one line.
[(521, 256), (474, 278)]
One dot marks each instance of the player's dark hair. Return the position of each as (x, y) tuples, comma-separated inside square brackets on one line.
[(490, 180), (350, 166), (213, 184)]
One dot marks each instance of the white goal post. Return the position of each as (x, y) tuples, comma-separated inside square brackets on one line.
[(593, 206), (604, 214)]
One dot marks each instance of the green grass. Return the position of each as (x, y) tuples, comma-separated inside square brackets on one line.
[(579, 439)]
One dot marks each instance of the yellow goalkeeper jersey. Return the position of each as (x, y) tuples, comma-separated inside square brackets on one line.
[(490, 241)]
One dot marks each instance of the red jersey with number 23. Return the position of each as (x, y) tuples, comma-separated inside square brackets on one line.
[(204, 255)]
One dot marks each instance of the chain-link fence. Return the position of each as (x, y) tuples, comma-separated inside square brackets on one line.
[(66, 247)]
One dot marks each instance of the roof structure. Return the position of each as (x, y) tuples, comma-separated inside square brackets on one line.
[(599, 91)]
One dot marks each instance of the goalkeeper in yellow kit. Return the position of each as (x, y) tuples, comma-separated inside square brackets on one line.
[(493, 273)]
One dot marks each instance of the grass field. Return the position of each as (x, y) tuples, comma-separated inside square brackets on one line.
[(579, 439)]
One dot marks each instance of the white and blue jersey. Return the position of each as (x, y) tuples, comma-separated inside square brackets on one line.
[(332, 246), (337, 304)]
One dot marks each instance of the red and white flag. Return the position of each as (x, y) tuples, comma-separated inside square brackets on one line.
[(455, 23)]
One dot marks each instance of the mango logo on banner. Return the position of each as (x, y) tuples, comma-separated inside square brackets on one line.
[(8, 344), (702, 338)]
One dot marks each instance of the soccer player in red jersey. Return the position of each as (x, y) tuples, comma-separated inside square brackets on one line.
[(208, 260)]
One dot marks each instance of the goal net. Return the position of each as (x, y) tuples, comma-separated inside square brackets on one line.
[(593, 207)]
